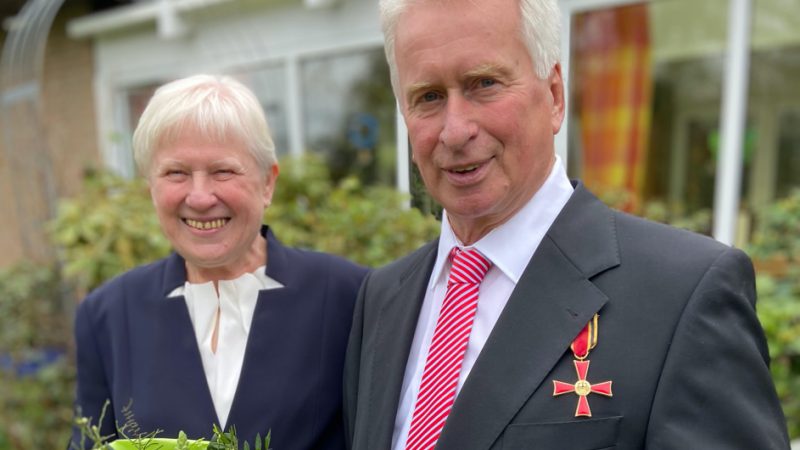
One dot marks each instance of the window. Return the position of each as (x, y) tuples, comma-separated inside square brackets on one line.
[(349, 114)]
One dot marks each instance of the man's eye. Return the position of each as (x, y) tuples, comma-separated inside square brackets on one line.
[(486, 82), (430, 97)]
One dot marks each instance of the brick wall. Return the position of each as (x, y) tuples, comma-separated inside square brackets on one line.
[(67, 125)]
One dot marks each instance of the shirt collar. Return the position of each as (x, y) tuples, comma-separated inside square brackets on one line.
[(260, 274), (503, 245)]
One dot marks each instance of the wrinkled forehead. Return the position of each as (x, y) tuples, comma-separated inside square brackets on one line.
[(432, 25)]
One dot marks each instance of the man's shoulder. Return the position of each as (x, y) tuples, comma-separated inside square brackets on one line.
[(655, 232), (642, 238)]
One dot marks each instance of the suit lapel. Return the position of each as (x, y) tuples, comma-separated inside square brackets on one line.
[(397, 322), (553, 300)]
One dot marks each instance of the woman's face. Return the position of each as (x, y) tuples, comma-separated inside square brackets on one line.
[(210, 200)]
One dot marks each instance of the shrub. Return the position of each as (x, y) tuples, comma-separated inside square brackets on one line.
[(775, 248), (35, 369), (779, 312), (109, 229), (370, 225)]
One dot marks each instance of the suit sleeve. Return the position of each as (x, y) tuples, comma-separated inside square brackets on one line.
[(92, 384), (715, 390), (352, 365)]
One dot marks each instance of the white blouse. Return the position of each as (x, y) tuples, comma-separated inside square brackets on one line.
[(235, 303)]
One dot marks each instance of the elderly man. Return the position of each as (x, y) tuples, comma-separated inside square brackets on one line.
[(483, 338)]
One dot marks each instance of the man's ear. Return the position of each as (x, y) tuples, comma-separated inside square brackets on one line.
[(556, 86)]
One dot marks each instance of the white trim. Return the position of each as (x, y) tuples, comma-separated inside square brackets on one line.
[(294, 108), (727, 191), (403, 169), (131, 15), (568, 9), (324, 50)]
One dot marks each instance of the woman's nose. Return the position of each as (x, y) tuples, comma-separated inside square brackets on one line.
[(202, 195)]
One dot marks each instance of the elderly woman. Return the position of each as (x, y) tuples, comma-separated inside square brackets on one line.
[(233, 328)]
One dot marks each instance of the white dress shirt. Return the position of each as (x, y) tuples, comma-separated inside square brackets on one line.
[(509, 254), (236, 303)]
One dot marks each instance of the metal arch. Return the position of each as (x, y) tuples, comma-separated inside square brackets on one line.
[(26, 151)]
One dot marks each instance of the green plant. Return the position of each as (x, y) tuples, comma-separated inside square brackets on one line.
[(777, 229), (220, 440), (107, 230), (36, 373), (779, 313), (370, 225), (775, 247)]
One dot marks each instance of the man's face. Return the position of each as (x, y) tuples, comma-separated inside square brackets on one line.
[(481, 122)]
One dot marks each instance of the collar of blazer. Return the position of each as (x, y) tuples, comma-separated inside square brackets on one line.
[(552, 302)]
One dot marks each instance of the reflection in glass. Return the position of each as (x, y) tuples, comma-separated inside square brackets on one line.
[(349, 114), (270, 86), (645, 91)]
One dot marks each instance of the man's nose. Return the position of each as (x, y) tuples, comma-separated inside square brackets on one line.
[(201, 195), (459, 127)]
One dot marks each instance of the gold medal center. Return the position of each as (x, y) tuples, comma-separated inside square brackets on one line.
[(582, 387)]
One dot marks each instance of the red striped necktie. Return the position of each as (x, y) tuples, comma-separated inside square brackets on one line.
[(437, 389)]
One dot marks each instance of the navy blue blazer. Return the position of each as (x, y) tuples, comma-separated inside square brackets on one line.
[(137, 348)]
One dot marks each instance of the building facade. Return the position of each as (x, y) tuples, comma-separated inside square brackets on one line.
[(688, 109)]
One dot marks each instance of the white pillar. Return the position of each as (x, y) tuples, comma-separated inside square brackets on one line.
[(403, 169), (294, 108), (727, 190)]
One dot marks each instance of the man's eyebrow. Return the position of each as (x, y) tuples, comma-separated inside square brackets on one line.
[(485, 70), (417, 87)]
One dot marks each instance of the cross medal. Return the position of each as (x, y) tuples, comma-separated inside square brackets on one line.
[(585, 342)]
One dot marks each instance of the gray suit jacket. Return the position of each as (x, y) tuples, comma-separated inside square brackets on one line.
[(678, 336)]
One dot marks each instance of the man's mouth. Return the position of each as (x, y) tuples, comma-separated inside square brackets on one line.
[(207, 224)]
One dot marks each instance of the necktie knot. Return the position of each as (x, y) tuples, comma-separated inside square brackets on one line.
[(469, 266)]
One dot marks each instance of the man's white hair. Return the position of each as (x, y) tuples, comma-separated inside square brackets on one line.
[(540, 31)]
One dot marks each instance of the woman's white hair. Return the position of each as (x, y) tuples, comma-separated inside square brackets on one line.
[(218, 108), (540, 31)]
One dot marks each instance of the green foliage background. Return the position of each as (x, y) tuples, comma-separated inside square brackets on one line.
[(112, 227), (776, 249)]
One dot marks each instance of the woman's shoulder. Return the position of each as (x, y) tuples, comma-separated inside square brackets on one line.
[(144, 278)]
